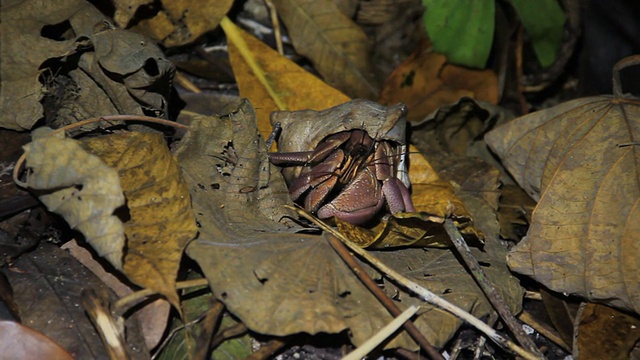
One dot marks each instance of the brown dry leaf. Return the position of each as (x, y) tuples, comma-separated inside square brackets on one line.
[(81, 188), (247, 252), (292, 86), (338, 48), (585, 232), (425, 82), (20, 342), (604, 333), (24, 50), (180, 22), (161, 221), (125, 10)]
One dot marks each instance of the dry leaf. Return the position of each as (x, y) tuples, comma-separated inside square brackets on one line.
[(294, 87), (601, 332), (82, 189), (126, 9), (302, 285), (24, 50), (584, 234), (425, 82), (338, 48), (161, 222), (180, 22)]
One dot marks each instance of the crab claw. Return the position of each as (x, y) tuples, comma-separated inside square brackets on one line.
[(358, 202)]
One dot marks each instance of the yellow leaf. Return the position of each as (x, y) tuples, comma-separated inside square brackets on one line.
[(273, 82), (161, 220)]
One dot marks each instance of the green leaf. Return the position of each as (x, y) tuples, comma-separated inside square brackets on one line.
[(461, 29), (544, 21)]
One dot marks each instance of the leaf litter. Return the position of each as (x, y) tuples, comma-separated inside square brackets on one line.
[(238, 196)]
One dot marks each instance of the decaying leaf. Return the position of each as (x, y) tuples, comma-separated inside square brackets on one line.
[(181, 22), (338, 48), (602, 332), (161, 221), (247, 251), (69, 54), (581, 160), (425, 81), (23, 50), (82, 189), (294, 87)]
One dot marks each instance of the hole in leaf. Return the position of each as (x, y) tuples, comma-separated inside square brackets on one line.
[(151, 67), (215, 186)]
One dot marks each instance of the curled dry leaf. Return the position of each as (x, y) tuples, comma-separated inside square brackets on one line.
[(161, 220), (580, 160), (338, 48), (81, 188)]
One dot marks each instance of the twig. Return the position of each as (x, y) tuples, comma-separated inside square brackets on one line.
[(493, 317), (266, 350), (423, 293), (209, 325), (388, 330), (110, 333), (361, 273), (186, 83), (487, 287), (276, 26), (228, 333), (124, 303)]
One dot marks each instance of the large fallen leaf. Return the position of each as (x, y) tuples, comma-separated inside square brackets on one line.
[(274, 82), (339, 49), (161, 221), (581, 160), (425, 81), (181, 22), (81, 188), (247, 252)]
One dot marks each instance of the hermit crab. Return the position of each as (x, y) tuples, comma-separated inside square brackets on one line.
[(347, 161)]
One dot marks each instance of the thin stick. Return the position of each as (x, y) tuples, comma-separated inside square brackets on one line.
[(124, 303), (381, 335), (276, 26), (110, 333), (423, 293), (361, 273), (496, 300)]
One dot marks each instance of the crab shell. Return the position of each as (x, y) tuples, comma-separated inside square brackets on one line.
[(303, 130)]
